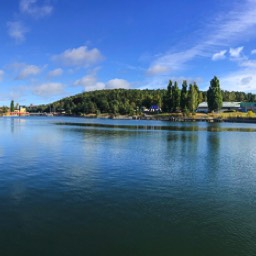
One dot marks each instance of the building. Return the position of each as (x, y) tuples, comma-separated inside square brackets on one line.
[(18, 112), (248, 106), (202, 107), (226, 106), (155, 108)]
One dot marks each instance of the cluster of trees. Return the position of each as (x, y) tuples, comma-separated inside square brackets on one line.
[(186, 99), (12, 107), (122, 101), (238, 96), (117, 101)]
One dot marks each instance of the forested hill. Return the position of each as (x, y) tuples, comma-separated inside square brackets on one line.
[(130, 101), (121, 101)]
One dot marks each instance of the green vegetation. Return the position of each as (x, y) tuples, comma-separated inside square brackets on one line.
[(193, 97), (12, 106), (134, 101), (214, 95), (117, 101)]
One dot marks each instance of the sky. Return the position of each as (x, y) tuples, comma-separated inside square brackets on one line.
[(51, 49)]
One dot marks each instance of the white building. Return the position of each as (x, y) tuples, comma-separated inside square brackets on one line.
[(226, 106)]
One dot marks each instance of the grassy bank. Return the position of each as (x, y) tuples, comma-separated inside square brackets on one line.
[(223, 116)]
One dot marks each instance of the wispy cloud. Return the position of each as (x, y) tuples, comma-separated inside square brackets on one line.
[(242, 60), (236, 52), (226, 29), (31, 7), (158, 69), (28, 70), (253, 51), (248, 63), (172, 61), (244, 80), (48, 89), (22, 70), (79, 57), (219, 55), (1, 75), (56, 72), (17, 30)]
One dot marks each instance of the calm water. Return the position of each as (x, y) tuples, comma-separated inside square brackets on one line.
[(71, 186)]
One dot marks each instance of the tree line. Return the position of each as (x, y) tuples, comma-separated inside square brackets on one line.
[(132, 101)]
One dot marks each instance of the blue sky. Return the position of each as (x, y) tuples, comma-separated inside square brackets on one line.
[(50, 49)]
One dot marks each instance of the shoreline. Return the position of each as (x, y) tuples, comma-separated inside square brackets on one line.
[(173, 118), (155, 117)]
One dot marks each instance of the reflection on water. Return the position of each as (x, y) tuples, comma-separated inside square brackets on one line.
[(73, 186), (210, 128)]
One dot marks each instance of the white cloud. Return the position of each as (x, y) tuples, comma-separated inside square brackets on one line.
[(28, 70), (228, 28), (30, 7), (248, 63), (157, 69), (1, 75), (234, 25), (244, 80), (17, 30), (56, 72), (90, 83), (48, 89), (80, 56), (219, 55), (236, 52), (253, 51), (117, 83), (172, 61)]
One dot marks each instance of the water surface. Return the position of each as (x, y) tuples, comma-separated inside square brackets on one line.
[(74, 186)]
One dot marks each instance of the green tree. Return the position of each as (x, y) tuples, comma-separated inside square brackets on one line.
[(4, 109), (184, 96), (214, 95), (114, 107), (197, 94), (192, 97), (12, 106), (169, 97), (200, 97), (175, 97), (251, 97)]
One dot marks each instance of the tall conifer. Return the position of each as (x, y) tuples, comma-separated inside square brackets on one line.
[(214, 95)]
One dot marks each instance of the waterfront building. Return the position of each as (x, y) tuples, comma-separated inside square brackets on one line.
[(226, 106), (248, 106)]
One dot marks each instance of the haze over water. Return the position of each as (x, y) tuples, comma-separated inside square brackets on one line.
[(73, 186)]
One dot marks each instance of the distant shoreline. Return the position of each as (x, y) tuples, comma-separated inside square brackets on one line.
[(213, 118)]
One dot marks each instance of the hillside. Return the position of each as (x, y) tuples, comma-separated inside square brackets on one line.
[(128, 101)]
